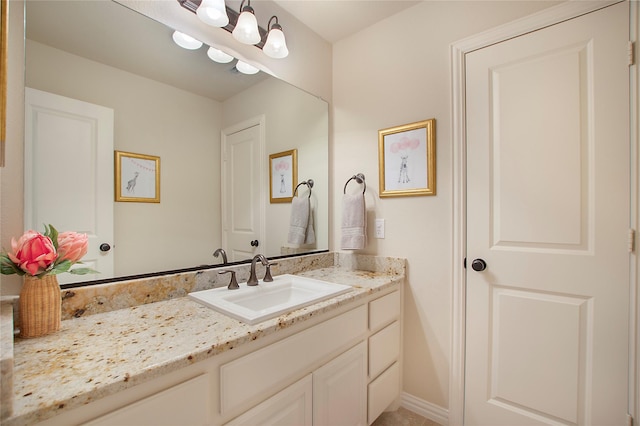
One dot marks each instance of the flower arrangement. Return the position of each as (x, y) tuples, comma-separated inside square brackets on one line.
[(51, 253)]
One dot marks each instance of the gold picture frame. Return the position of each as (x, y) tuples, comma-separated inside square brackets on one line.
[(407, 159), (137, 177), (283, 176), (4, 52)]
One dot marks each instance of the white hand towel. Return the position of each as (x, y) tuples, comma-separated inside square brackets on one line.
[(310, 236), (299, 220), (354, 222)]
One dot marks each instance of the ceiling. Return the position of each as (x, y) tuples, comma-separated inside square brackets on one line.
[(334, 20)]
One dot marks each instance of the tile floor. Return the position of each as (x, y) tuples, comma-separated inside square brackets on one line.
[(402, 417)]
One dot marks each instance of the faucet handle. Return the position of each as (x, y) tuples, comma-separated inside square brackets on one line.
[(233, 283), (267, 275)]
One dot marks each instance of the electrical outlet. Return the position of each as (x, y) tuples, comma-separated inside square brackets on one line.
[(379, 228)]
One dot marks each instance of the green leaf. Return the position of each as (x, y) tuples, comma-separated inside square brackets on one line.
[(7, 267), (60, 267), (83, 271), (52, 233)]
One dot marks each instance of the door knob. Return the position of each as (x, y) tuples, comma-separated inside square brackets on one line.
[(478, 265), (105, 247), (255, 243)]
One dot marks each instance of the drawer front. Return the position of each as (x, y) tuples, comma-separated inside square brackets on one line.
[(277, 365), (383, 391), (384, 310), (384, 349)]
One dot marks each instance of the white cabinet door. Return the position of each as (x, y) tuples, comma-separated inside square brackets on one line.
[(340, 390), (291, 406)]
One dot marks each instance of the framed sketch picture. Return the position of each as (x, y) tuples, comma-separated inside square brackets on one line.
[(407, 159), (137, 177), (283, 176)]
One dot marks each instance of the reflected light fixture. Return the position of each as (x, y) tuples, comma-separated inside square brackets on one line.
[(213, 12), (245, 68), (186, 41), (219, 56), (246, 30), (275, 46)]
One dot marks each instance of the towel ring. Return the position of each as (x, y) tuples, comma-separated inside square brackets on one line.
[(360, 179), (309, 183)]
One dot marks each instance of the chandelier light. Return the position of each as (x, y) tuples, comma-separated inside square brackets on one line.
[(276, 45), (245, 68), (213, 12), (186, 41), (219, 56), (246, 30)]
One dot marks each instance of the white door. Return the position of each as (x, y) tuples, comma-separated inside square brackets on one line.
[(243, 191), (548, 212), (69, 173)]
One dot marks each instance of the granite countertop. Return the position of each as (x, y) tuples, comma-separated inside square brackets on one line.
[(98, 355)]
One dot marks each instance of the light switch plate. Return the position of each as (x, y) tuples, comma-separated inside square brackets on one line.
[(379, 228)]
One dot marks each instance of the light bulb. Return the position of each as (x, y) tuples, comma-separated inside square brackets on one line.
[(219, 56), (186, 41), (213, 12), (276, 45), (246, 30), (245, 68)]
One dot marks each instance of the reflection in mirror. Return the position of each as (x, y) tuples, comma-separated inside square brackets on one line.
[(179, 106)]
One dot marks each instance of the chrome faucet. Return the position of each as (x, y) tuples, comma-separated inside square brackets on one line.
[(253, 279), (221, 251)]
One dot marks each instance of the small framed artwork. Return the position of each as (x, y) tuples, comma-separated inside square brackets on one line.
[(137, 177), (407, 159), (283, 176)]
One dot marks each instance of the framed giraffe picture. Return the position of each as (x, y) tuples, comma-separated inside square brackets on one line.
[(407, 159), (137, 177)]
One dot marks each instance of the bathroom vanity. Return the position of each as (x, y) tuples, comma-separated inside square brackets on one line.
[(180, 362)]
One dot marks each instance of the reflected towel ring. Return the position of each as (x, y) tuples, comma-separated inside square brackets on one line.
[(309, 183), (360, 179)]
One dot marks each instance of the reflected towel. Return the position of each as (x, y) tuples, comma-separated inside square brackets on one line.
[(354, 222), (310, 236), (300, 210)]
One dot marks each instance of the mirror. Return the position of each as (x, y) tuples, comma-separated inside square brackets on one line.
[(175, 104)]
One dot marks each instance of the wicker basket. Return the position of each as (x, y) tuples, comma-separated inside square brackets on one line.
[(40, 306)]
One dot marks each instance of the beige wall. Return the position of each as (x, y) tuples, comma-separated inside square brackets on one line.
[(397, 72)]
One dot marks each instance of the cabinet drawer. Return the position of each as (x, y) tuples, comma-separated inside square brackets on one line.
[(384, 349), (275, 366), (384, 310), (383, 391), (186, 403)]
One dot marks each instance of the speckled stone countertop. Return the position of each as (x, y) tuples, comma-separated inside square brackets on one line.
[(98, 355)]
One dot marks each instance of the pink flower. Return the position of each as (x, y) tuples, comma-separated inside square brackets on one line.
[(72, 246), (33, 252)]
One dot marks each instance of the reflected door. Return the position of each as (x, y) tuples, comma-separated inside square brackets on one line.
[(547, 225), (69, 174), (243, 191)]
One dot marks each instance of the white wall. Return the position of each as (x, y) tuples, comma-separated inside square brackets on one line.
[(151, 118), (393, 73), (294, 119)]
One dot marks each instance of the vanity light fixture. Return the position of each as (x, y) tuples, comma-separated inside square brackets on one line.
[(246, 30), (186, 41), (276, 45), (213, 12), (219, 56), (245, 68)]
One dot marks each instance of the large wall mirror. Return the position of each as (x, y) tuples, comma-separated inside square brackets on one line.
[(180, 106)]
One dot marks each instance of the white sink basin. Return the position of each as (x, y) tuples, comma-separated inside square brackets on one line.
[(268, 299)]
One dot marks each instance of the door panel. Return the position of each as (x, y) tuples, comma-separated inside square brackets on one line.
[(243, 191), (71, 193), (548, 210)]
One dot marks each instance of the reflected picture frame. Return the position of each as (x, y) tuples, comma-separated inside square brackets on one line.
[(137, 177), (283, 176), (407, 159)]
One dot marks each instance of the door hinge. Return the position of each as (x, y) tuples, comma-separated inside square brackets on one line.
[(632, 240), (631, 53)]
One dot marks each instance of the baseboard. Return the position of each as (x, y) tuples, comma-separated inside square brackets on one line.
[(425, 409)]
